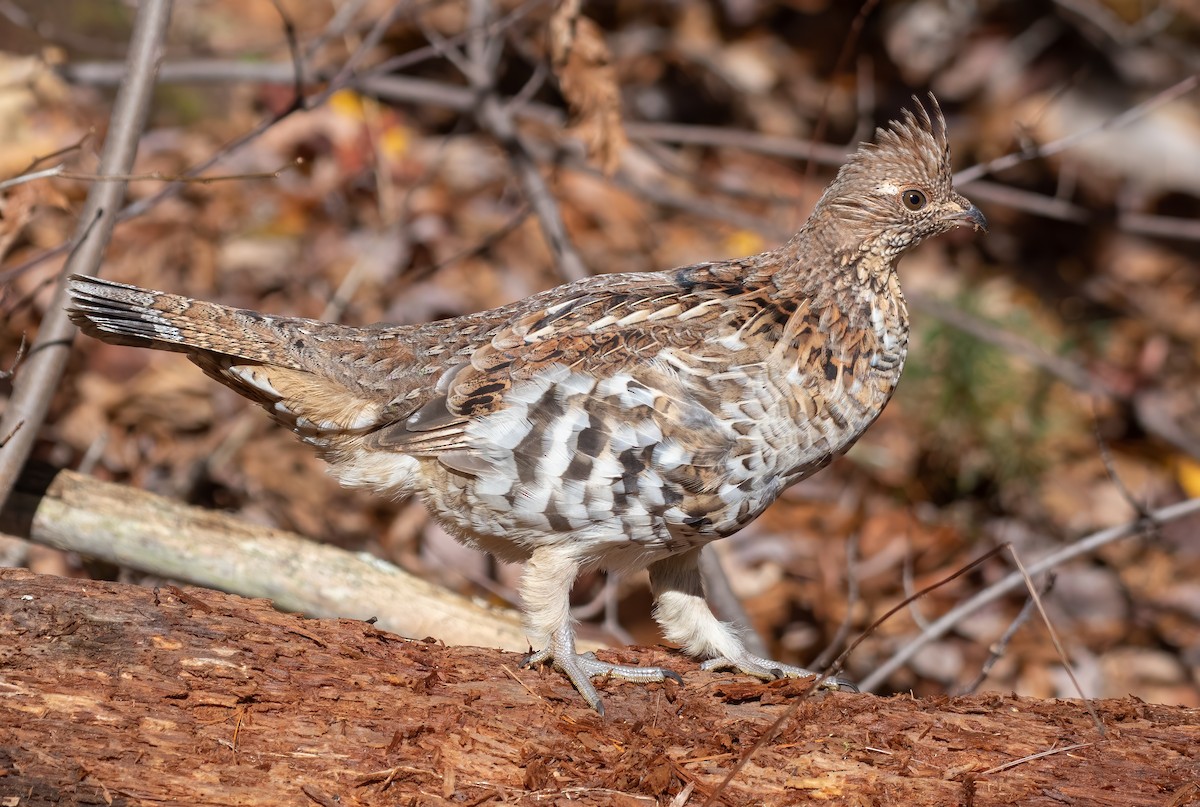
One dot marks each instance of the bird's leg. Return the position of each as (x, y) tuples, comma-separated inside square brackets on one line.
[(686, 619), (545, 596)]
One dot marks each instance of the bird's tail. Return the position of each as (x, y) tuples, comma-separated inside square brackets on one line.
[(288, 365), (130, 315)]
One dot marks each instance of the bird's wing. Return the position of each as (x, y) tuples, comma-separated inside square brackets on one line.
[(600, 368)]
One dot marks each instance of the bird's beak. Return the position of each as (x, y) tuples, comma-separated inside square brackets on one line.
[(970, 215)]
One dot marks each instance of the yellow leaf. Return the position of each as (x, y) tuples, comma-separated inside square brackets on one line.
[(395, 141), (347, 103), (1188, 472), (743, 242)]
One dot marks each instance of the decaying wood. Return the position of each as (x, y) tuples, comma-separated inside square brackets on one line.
[(140, 530), (113, 694)]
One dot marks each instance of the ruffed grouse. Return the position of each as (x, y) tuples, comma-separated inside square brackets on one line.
[(621, 422)]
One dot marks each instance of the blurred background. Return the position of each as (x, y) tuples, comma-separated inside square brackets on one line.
[(1052, 387)]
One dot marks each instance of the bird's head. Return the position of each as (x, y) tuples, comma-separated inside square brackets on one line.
[(895, 192)]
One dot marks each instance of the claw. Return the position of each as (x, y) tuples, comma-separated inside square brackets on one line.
[(581, 668), (768, 670)]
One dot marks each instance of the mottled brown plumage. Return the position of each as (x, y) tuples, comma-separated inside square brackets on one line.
[(623, 421)]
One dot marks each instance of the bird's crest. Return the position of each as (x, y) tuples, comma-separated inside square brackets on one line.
[(912, 149)]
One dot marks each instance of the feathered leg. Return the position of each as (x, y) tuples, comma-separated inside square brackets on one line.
[(546, 599), (687, 620)]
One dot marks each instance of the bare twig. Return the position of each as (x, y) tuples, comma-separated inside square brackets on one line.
[(4, 438), (1014, 581), (497, 119), (289, 33), (345, 74), (1058, 645), (405, 89), (998, 648), (490, 240), (159, 176), (12, 368), (860, 19), (337, 26), (31, 177), (1047, 753), (1063, 143), (39, 376), (111, 74), (1049, 207), (705, 208), (723, 137), (1111, 469), (906, 579), (524, 685), (1160, 226)]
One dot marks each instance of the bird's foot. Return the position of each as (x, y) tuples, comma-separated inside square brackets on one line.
[(769, 670), (581, 668)]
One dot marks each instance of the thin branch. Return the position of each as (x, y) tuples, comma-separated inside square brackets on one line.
[(39, 376), (856, 26), (32, 176), (12, 368), (1111, 469), (906, 579), (159, 176), (1000, 646), (336, 27), (1058, 645), (345, 74), (112, 74), (1063, 143), (1014, 581), (1160, 226), (405, 89), (289, 33), (660, 194), (498, 120), (1047, 753), (1048, 207), (723, 137)]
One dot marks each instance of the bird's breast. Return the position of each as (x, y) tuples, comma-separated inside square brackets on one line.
[(840, 370)]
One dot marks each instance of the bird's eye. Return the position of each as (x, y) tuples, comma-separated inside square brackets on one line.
[(913, 198)]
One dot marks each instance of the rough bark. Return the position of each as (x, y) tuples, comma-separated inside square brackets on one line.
[(118, 695)]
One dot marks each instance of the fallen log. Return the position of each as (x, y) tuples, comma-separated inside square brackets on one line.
[(141, 530), (118, 695)]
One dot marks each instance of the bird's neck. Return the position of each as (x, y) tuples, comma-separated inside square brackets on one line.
[(824, 263), (831, 270)]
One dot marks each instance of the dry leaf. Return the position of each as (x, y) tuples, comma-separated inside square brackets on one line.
[(583, 65)]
